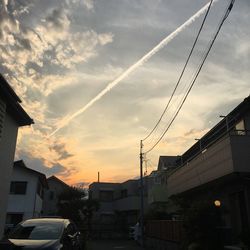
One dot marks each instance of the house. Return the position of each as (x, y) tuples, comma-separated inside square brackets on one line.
[(217, 168), (26, 194), (56, 187), (12, 116), (157, 180), (119, 202)]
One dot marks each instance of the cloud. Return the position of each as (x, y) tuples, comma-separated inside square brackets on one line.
[(89, 4), (61, 151), (39, 164)]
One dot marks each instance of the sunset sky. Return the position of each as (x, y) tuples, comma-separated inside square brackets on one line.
[(59, 54)]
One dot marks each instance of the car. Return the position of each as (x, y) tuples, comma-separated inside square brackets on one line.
[(43, 233)]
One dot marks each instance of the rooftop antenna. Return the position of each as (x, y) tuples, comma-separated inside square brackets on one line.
[(98, 178)]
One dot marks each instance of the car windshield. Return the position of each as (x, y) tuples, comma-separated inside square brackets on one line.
[(37, 231)]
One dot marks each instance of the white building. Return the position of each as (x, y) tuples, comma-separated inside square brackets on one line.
[(12, 116), (26, 194), (56, 187)]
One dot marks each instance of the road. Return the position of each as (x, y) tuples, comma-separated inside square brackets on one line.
[(113, 245)]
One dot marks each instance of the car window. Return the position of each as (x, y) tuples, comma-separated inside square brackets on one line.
[(71, 229), (43, 231)]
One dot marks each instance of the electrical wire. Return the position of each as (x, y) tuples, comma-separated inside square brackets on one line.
[(196, 74), (183, 70)]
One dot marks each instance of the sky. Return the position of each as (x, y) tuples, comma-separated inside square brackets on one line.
[(60, 54)]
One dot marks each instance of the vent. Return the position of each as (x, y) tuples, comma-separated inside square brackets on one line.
[(2, 115)]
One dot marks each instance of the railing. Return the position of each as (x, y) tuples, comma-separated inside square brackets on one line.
[(204, 147), (167, 230)]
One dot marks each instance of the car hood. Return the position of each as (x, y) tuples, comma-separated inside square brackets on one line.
[(29, 244)]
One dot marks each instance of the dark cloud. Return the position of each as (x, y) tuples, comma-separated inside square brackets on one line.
[(56, 18), (39, 164), (61, 151), (23, 43)]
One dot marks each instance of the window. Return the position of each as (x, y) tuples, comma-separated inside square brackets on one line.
[(18, 187), (14, 219), (71, 229), (106, 195), (240, 128)]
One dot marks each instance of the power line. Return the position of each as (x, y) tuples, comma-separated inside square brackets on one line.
[(183, 70), (196, 74)]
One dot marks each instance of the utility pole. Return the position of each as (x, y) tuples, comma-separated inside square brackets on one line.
[(142, 196)]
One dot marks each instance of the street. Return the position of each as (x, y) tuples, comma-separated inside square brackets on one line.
[(113, 244)]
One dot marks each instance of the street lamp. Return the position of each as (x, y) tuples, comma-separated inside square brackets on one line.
[(217, 203), (199, 140), (226, 118)]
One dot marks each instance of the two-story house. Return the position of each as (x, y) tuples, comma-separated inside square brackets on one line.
[(12, 116), (26, 193)]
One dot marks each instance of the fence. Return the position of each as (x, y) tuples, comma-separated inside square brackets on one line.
[(166, 230)]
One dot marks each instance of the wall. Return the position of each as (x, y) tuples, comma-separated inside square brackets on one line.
[(128, 203), (215, 162), (26, 203), (241, 152), (50, 204), (7, 152)]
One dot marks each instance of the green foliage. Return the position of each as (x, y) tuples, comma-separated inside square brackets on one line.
[(201, 221), (73, 205), (70, 202), (158, 211)]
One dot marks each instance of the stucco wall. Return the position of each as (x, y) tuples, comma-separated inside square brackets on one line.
[(7, 152)]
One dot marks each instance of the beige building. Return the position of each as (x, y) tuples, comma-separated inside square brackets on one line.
[(12, 116), (119, 205), (217, 167)]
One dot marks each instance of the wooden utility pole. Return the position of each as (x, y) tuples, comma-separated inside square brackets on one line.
[(142, 196)]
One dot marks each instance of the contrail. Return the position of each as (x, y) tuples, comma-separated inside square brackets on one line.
[(132, 68)]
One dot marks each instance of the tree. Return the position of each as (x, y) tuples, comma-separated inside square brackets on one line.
[(201, 220), (70, 203)]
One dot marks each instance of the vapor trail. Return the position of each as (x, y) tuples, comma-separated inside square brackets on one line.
[(132, 68)]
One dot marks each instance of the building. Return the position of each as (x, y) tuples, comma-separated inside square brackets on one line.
[(12, 116), (217, 167), (56, 187), (26, 194), (119, 202), (157, 180)]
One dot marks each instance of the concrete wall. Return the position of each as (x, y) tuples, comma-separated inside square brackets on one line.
[(213, 163), (7, 152), (30, 204)]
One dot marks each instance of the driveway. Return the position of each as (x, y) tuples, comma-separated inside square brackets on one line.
[(113, 245)]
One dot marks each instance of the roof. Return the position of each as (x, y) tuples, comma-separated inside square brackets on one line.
[(54, 178), (13, 103), (166, 162), (219, 130), (21, 165)]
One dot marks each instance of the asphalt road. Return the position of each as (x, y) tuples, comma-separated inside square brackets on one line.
[(113, 245)]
